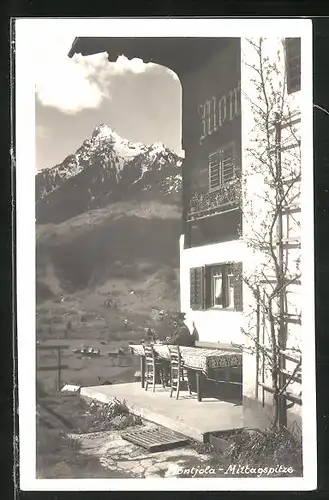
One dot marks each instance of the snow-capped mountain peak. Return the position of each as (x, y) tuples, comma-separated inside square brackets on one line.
[(107, 167), (103, 130)]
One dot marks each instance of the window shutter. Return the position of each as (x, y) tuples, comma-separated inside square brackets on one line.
[(221, 166), (197, 288), (238, 298), (215, 178), (207, 287), (228, 164), (293, 64)]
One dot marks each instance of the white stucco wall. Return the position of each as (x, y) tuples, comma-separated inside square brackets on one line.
[(212, 325), (255, 190), (225, 326)]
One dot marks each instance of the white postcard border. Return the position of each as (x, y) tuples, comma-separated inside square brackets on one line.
[(29, 32)]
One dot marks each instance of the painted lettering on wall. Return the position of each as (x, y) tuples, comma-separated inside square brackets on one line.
[(215, 112)]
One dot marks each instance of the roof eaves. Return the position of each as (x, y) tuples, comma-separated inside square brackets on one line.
[(72, 49)]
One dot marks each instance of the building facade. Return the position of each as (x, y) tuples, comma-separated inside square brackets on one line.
[(240, 197)]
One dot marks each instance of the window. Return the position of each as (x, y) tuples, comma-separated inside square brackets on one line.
[(222, 287), (216, 287), (221, 167), (293, 64)]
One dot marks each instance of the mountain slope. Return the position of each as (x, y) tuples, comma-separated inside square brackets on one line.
[(91, 248)]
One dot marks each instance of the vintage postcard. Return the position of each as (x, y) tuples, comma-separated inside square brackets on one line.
[(165, 288)]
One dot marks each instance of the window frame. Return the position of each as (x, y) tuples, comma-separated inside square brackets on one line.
[(201, 287), (225, 273)]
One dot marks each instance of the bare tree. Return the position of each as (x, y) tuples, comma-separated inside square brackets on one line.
[(270, 190)]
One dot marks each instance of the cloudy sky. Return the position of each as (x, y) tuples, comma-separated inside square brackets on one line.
[(141, 102)]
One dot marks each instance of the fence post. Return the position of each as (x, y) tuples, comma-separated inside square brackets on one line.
[(282, 333), (258, 340), (59, 369)]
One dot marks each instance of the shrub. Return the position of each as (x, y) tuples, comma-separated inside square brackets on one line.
[(113, 415), (267, 447)]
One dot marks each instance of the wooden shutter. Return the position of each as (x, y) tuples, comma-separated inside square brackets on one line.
[(293, 64), (197, 296), (215, 177), (221, 166), (207, 287), (228, 163), (238, 282)]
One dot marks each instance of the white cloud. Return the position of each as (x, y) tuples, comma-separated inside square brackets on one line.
[(41, 132), (72, 85), (122, 65), (69, 84)]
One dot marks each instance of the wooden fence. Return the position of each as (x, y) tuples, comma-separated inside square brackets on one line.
[(293, 376), (59, 366)]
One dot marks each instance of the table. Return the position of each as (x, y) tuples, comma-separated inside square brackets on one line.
[(201, 360)]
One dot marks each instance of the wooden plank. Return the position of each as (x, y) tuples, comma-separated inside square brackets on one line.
[(155, 439), (293, 398), (291, 209), (290, 357), (289, 147), (290, 123), (291, 245), (273, 281), (52, 347), (145, 438), (295, 378), (287, 395), (286, 181), (293, 320), (198, 386), (142, 368), (59, 382), (218, 443), (231, 382), (51, 368)]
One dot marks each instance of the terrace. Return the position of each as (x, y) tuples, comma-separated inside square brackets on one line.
[(213, 405), (184, 415)]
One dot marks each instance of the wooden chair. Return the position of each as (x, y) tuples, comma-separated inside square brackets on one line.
[(153, 367), (178, 372)]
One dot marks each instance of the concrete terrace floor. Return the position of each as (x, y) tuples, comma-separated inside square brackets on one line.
[(185, 415)]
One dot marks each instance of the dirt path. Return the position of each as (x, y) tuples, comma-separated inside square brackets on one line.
[(77, 440), (62, 460), (85, 442), (118, 456)]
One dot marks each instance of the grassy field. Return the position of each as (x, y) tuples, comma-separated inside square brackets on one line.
[(107, 318), (86, 371)]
